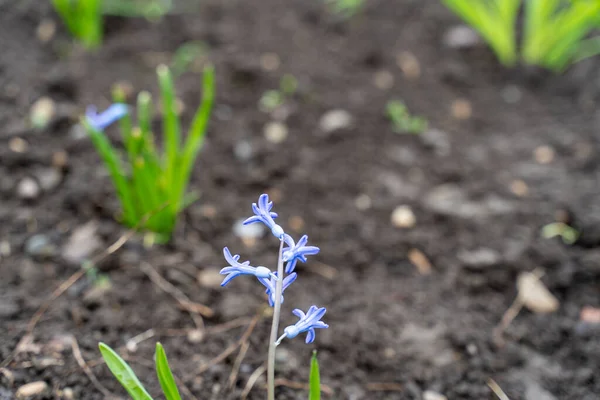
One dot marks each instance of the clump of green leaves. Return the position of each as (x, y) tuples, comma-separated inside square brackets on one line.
[(555, 32), (186, 56), (314, 380), (568, 234), (127, 378), (346, 8), (271, 99), (83, 18), (152, 185), (401, 119)]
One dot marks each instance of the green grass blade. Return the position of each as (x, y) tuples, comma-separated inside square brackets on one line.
[(90, 22), (197, 132), (171, 129), (165, 376), (124, 374), (112, 162), (314, 381)]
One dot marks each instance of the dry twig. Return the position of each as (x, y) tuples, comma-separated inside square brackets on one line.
[(252, 381), (497, 389), (87, 369)]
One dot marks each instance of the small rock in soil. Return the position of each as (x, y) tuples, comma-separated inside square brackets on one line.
[(82, 243), (49, 178), (519, 188), (28, 189), (438, 140), (252, 231), (8, 308), (335, 120), (383, 80), (431, 395), (420, 260), (534, 295), (46, 30), (462, 109), (210, 278), (363, 202), (243, 150), (461, 37), (409, 64), (403, 217), (18, 145), (42, 112), (543, 154), (275, 132), (39, 247), (479, 258), (32, 389), (60, 159), (590, 315)]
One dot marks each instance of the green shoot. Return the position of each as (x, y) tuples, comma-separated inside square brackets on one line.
[(186, 56), (272, 99), (150, 9), (314, 380), (148, 181), (401, 119), (568, 234), (83, 18), (127, 378), (346, 8)]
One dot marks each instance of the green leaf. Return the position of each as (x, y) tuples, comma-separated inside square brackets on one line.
[(124, 374), (165, 376), (314, 381)]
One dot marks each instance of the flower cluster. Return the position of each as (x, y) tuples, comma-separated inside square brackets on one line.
[(290, 255)]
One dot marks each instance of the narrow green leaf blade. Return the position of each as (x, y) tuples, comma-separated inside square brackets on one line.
[(314, 381), (165, 376), (124, 374)]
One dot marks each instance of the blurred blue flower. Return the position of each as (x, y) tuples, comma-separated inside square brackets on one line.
[(236, 269), (262, 213), (308, 323), (99, 121), (272, 282), (296, 252)]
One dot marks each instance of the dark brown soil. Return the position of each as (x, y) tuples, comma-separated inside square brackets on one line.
[(388, 322)]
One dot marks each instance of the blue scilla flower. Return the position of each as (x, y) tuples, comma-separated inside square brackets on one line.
[(236, 268), (308, 323), (99, 121), (262, 213), (296, 252), (272, 282)]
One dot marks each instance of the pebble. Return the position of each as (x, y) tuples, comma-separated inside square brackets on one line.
[(243, 150), (28, 189), (383, 80), (39, 246), (42, 112), (31, 389), (461, 109), (210, 278), (8, 308), (18, 145), (275, 132), (479, 258), (461, 37), (363, 202), (195, 336), (420, 260), (534, 294), (270, 61), (82, 243), (519, 188), (5, 248), (409, 64), (403, 217), (46, 30), (49, 178), (334, 120), (431, 395), (252, 231), (543, 155), (590, 315)]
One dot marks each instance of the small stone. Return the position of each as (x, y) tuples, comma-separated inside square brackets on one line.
[(39, 246), (461, 37), (18, 145), (519, 188), (5, 249), (8, 308), (60, 159), (296, 223), (383, 80), (82, 243), (68, 394), (195, 336), (208, 211), (543, 154), (28, 189), (31, 389), (461, 109), (590, 315), (335, 120), (42, 112), (479, 258), (252, 231), (403, 217), (409, 65), (210, 278), (270, 61), (512, 94), (275, 132), (243, 150), (420, 260), (431, 395), (46, 30), (49, 178), (389, 353), (534, 294), (363, 202)]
